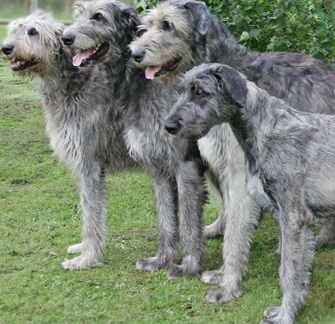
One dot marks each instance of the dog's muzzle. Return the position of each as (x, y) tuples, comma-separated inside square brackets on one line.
[(171, 126)]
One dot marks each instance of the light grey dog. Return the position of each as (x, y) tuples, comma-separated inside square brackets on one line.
[(178, 35), (174, 165), (84, 125), (289, 162)]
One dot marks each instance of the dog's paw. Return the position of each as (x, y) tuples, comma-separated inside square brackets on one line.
[(276, 320), (80, 262), (212, 277), (177, 271), (276, 315), (222, 295), (76, 248), (269, 321), (271, 311), (151, 264)]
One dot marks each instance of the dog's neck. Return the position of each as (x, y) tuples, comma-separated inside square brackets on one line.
[(60, 69), (62, 78), (222, 47), (254, 123)]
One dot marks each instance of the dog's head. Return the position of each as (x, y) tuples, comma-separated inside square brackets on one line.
[(171, 33), (101, 31), (209, 94), (32, 44)]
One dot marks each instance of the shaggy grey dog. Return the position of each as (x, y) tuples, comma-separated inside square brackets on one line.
[(84, 125), (174, 165), (289, 162), (178, 35)]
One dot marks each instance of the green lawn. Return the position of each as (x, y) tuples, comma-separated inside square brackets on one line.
[(39, 218)]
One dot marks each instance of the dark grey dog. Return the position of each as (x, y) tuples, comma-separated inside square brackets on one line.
[(288, 153), (174, 165), (84, 125), (180, 34)]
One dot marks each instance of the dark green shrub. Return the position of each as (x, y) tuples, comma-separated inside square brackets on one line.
[(305, 26)]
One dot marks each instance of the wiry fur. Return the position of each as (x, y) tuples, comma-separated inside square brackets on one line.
[(175, 166), (290, 152), (26, 48), (185, 32), (83, 123)]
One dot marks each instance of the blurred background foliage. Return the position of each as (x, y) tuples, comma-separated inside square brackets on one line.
[(305, 26)]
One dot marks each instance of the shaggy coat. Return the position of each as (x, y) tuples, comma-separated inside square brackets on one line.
[(176, 36), (289, 162), (83, 124), (175, 166)]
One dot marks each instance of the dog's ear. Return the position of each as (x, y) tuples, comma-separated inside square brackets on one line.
[(130, 18), (200, 15), (233, 82)]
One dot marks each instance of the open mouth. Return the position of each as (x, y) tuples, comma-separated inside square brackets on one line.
[(154, 71), (21, 65), (87, 57)]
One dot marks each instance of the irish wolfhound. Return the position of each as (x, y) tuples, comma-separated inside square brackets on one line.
[(84, 125), (289, 162), (177, 35), (174, 165)]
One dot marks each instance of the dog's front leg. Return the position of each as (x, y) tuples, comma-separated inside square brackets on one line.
[(166, 199), (92, 202), (241, 215), (192, 196)]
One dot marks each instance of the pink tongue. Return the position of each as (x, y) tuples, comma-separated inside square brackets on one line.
[(150, 71), (79, 58)]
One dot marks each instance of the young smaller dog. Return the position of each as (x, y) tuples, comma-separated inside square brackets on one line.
[(289, 162)]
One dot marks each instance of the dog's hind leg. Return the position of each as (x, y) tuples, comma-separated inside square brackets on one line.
[(297, 246), (92, 202)]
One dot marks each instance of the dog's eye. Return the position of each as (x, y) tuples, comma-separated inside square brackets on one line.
[(140, 31), (166, 25), (32, 32), (199, 92), (98, 17)]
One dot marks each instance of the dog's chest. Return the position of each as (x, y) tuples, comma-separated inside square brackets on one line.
[(148, 146)]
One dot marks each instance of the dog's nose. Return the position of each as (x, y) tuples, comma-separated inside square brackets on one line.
[(7, 49), (138, 55), (68, 39), (171, 126)]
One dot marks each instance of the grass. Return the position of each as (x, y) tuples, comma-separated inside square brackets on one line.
[(39, 218)]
